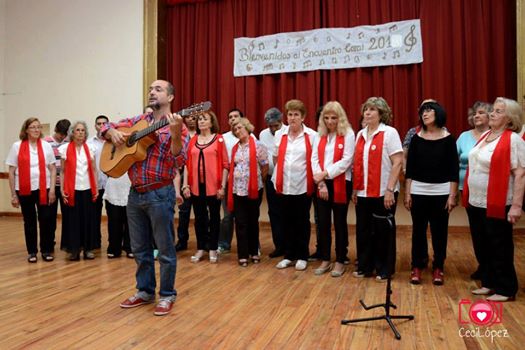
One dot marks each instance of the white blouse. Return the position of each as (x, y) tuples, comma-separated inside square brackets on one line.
[(82, 176), (341, 166), (34, 170), (479, 167), (391, 146), (294, 172), (117, 190)]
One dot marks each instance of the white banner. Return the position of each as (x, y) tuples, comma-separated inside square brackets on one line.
[(330, 48)]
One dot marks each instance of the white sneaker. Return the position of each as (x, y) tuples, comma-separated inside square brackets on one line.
[(283, 264), (300, 265)]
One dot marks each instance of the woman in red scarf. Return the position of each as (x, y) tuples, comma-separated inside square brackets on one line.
[(31, 172), (294, 183), (205, 178), (248, 169), (378, 160), (332, 157), (79, 192), (493, 190)]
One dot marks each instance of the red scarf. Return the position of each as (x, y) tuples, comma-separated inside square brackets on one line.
[(253, 186), (339, 181), (498, 177), (189, 161), (375, 157), (280, 165), (24, 171), (70, 173)]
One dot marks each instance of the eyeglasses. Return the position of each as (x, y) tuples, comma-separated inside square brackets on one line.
[(428, 110)]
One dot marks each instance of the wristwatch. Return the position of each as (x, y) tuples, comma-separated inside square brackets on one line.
[(390, 190)]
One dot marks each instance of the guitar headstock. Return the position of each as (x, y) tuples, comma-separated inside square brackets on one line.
[(196, 108)]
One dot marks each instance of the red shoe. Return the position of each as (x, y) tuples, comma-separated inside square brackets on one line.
[(134, 301), (437, 277), (415, 276), (163, 307)]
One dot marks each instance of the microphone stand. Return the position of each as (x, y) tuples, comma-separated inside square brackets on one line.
[(388, 303)]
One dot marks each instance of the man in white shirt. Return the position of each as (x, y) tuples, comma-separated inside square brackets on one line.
[(226, 232), (274, 120), (97, 142)]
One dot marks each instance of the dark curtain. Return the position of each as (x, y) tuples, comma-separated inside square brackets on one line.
[(469, 51)]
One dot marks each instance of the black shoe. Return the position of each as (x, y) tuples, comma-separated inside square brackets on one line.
[(314, 257), (181, 246), (276, 253), (346, 261)]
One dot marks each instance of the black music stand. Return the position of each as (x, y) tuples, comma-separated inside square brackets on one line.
[(384, 223)]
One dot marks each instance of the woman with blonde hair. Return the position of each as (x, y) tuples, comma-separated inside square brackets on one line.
[(332, 156), (32, 177)]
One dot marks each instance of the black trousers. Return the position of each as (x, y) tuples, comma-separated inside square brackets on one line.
[(33, 211), (427, 210), (54, 211), (498, 247), (183, 234), (207, 211), (478, 243), (247, 225), (296, 226), (340, 211), (98, 218), (80, 227), (118, 231), (275, 213), (372, 244)]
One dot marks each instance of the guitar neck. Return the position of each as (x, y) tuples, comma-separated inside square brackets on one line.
[(152, 128)]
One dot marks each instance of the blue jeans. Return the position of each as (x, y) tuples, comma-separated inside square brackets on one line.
[(150, 218)]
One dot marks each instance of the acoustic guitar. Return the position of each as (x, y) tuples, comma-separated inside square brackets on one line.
[(116, 160)]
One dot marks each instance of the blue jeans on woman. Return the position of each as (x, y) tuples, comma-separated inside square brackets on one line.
[(150, 219)]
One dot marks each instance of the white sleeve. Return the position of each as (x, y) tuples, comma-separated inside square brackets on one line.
[(342, 165), (277, 142), (316, 167), (12, 156), (49, 154), (62, 150), (393, 142), (517, 152)]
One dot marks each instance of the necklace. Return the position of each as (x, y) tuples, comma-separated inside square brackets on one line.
[(496, 136)]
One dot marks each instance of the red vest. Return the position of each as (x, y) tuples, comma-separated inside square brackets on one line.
[(375, 158)]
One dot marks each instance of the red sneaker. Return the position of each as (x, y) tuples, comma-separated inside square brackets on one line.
[(415, 276), (437, 277), (134, 301), (163, 307)]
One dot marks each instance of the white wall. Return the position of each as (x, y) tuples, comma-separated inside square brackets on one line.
[(2, 74), (71, 59)]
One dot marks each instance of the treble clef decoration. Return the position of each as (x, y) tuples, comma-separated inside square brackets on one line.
[(410, 39)]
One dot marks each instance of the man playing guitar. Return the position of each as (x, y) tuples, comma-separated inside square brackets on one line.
[(151, 199)]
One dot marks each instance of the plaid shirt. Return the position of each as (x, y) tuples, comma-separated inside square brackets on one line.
[(54, 144), (160, 163)]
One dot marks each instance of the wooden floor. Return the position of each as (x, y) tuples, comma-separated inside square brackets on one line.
[(70, 305)]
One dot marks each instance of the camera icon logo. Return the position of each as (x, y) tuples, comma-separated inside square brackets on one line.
[(481, 312)]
